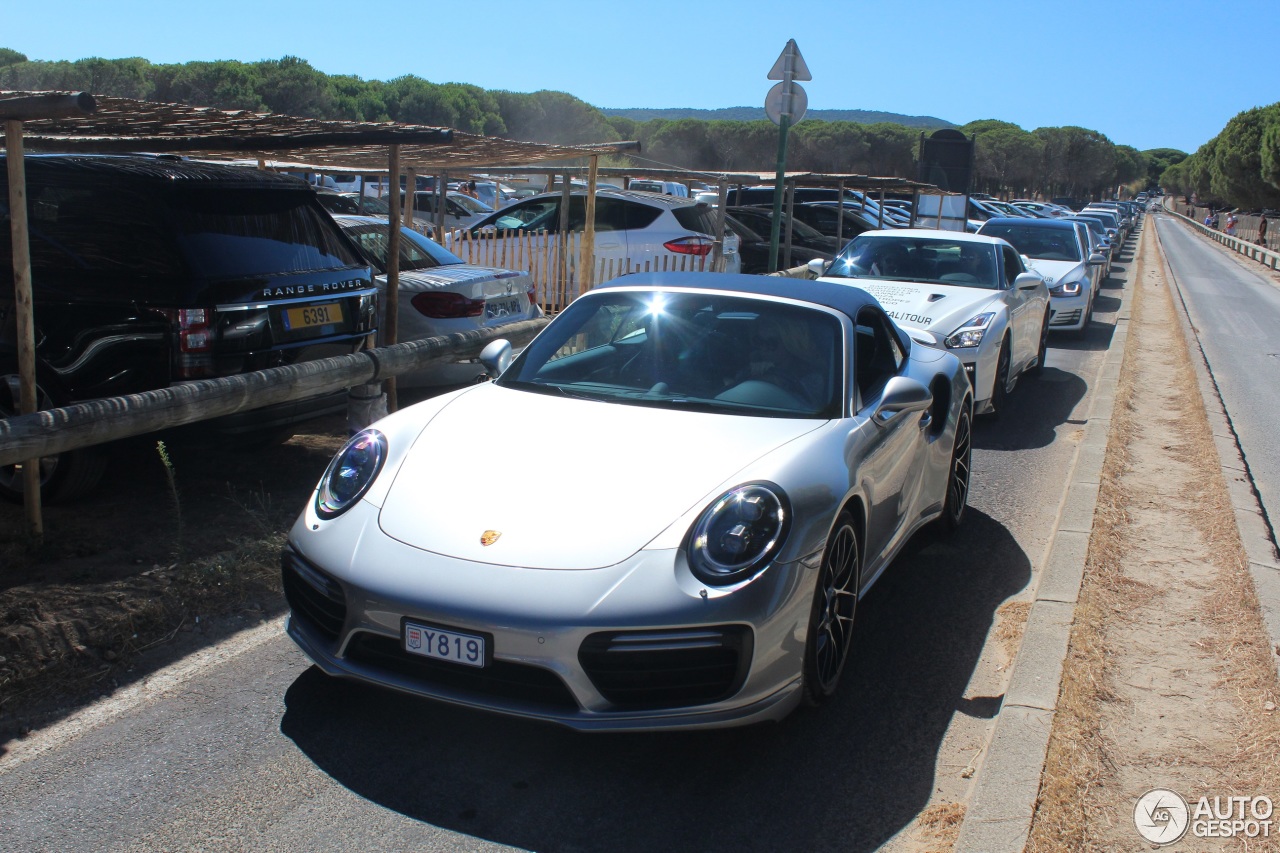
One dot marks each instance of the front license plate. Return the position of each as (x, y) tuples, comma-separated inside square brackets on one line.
[(444, 645), (502, 308), (308, 316)]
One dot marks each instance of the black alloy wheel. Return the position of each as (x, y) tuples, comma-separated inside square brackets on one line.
[(835, 602), (958, 481)]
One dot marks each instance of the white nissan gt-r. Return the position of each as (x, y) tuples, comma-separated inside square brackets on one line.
[(968, 294)]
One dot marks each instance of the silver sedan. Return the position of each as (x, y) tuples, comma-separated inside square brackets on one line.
[(738, 459)]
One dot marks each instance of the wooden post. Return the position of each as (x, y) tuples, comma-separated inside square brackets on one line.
[(442, 202), (24, 306), (839, 213), (410, 196), (562, 264), (588, 263), (388, 335)]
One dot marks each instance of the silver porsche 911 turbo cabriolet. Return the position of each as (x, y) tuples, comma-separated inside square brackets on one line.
[(661, 515)]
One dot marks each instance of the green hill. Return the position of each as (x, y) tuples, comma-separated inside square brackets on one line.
[(757, 114)]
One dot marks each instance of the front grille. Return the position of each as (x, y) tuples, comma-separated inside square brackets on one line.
[(1065, 318), (499, 680), (667, 669), (313, 596)]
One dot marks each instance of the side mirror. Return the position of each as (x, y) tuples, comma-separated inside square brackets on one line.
[(496, 357), (1028, 281), (1096, 260), (901, 395), (817, 266)]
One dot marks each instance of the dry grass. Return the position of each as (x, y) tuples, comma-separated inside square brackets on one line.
[(1011, 621), (940, 825)]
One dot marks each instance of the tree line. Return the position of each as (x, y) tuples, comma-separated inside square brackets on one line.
[(1239, 168), (1048, 161)]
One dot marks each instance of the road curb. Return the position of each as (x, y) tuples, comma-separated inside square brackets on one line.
[(1007, 784), (1256, 532)]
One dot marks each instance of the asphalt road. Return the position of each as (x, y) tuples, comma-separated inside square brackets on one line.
[(256, 750), (1235, 312)]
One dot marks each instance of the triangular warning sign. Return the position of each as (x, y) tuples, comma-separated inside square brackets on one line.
[(800, 71)]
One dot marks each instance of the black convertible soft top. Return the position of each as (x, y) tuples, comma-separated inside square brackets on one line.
[(847, 299)]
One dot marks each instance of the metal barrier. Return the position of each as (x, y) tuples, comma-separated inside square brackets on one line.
[(1241, 245)]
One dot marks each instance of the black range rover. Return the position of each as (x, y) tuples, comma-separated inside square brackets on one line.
[(149, 271)]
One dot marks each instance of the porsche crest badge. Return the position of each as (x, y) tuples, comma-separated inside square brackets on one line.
[(489, 537)]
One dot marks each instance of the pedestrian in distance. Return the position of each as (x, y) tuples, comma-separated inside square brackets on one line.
[(1262, 231), (1231, 224)]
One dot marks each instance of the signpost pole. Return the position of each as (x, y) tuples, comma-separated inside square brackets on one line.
[(775, 232)]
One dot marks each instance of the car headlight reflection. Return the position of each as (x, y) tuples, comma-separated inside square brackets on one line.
[(970, 334), (351, 473), (739, 533)]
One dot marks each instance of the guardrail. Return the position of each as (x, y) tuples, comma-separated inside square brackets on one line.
[(1266, 257), (94, 422)]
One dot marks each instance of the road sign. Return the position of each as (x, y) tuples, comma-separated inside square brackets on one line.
[(799, 71), (785, 105), (776, 106)]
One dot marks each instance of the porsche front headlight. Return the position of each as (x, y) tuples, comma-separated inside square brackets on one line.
[(739, 533), (351, 473), (970, 334)]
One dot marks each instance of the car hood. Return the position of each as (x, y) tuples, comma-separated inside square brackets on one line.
[(938, 308), (566, 483), (1054, 271), (473, 281)]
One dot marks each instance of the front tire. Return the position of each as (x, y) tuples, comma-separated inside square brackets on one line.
[(64, 476), (958, 477), (835, 603), (1000, 387), (1043, 352)]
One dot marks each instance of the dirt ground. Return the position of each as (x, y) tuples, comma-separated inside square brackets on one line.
[(146, 566), (1169, 681)]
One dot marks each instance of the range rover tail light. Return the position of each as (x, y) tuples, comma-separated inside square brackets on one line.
[(193, 330)]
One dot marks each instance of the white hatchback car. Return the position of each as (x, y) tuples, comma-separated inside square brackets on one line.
[(640, 228)]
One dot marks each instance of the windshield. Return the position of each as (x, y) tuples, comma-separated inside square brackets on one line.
[(720, 353), (416, 251), (1047, 244), (471, 205), (931, 260)]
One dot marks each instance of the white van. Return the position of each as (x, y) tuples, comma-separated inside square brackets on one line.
[(644, 185)]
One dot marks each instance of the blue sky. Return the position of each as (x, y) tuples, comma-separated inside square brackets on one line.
[(1147, 74)]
